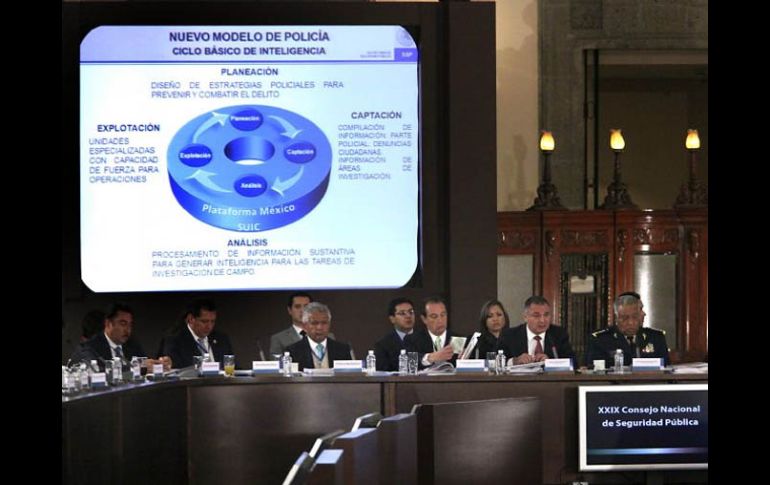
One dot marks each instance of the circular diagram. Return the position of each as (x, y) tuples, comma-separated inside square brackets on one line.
[(249, 168)]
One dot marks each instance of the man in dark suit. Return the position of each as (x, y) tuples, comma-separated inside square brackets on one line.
[(388, 348), (536, 340), (317, 350), (628, 334), (432, 342), (294, 333), (198, 337), (115, 340)]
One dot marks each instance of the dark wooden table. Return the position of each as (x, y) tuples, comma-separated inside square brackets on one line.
[(251, 429)]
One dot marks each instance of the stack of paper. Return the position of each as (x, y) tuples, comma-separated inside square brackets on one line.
[(532, 368), (691, 368)]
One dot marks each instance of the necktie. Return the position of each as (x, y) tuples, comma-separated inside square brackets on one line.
[(202, 346), (119, 352), (538, 347), (302, 333), (437, 344), (634, 350), (320, 351)]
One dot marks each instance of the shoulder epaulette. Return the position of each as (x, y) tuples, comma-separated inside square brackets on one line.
[(600, 332)]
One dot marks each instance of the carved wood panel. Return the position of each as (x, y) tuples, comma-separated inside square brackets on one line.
[(559, 238)]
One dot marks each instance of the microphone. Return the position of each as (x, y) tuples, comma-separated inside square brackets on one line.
[(555, 353)]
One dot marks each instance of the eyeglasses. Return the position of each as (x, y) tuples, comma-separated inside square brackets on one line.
[(404, 313)]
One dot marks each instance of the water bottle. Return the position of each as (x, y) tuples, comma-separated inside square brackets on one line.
[(403, 363), (117, 371), (500, 363), (371, 363), (618, 369), (75, 379), (65, 380), (92, 369), (136, 368), (84, 376), (286, 364)]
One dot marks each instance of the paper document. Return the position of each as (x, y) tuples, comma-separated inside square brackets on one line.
[(531, 368), (319, 372), (691, 368), (438, 369), (472, 345), (457, 344)]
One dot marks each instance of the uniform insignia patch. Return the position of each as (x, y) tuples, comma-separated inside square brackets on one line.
[(649, 349)]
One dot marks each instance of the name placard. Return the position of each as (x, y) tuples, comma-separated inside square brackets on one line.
[(552, 365), (470, 365), (348, 366), (98, 379), (265, 367), (647, 363), (210, 368)]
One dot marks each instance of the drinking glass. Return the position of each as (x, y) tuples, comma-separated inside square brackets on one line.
[(229, 364)]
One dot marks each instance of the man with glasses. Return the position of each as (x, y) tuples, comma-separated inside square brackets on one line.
[(432, 342), (628, 334), (388, 348)]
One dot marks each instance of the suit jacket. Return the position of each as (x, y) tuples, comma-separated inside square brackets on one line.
[(514, 342), (181, 347), (420, 341), (649, 341), (98, 348), (387, 350), (279, 341), (300, 352)]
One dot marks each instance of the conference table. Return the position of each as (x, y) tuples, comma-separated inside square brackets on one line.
[(251, 429)]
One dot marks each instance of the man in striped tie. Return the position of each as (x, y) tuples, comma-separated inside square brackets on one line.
[(198, 337), (116, 341), (536, 340)]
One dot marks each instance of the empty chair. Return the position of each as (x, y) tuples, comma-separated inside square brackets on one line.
[(490, 441), (371, 420), (300, 470), (361, 458), (324, 442), (329, 468)]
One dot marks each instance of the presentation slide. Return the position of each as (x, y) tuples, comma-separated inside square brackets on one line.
[(643, 427), (248, 157)]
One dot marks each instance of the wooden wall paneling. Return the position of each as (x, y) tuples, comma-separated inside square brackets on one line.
[(574, 232), (642, 232), (694, 325), (519, 233), (554, 238)]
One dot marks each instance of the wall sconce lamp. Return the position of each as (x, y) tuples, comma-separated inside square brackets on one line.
[(617, 193), (547, 197), (692, 193)]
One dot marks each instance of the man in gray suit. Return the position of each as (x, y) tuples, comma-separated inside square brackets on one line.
[(279, 341)]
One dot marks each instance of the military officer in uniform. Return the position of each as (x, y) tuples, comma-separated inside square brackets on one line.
[(628, 335)]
